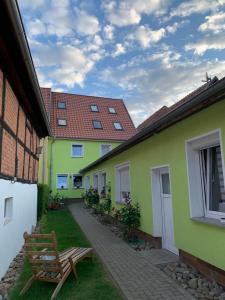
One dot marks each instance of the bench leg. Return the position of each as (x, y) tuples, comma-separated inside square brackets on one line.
[(59, 285), (27, 285)]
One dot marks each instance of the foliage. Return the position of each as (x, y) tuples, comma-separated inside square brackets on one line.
[(55, 200), (93, 282), (129, 215), (42, 199), (91, 197)]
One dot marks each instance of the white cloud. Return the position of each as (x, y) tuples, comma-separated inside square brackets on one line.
[(214, 42), (167, 58), (36, 27), (214, 23), (146, 36), (86, 24), (128, 12), (188, 8), (119, 50), (27, 4), (109, 32)]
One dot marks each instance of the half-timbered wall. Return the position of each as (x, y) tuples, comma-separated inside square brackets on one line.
[(18, 139)]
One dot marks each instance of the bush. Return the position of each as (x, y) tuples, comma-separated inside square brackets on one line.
[(42, 199), (54, 201), (91, 197)]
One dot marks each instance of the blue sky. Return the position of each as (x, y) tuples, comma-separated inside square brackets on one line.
[(149, 52)]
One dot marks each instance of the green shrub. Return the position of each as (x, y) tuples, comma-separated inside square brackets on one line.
[(91, 197), (43, 194)]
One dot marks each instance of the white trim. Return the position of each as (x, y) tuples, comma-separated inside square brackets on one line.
[(75, 188), (62, 174), (118, 168), (93, 176), (77, 144)]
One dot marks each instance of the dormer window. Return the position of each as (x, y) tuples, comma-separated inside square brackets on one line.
[(61, 105), (118, 126), (62, 122), (112, 110), (94, 108), (97, 124)]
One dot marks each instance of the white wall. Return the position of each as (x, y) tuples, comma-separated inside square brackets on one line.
[(24, 212)]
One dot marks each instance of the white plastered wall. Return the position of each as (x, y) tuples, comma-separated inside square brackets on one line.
[(24, 215)]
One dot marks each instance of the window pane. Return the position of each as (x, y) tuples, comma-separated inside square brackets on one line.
[(77, 150), (97, 124), (117, 125), (94, 108), (112, 110), (165, 183), (62, 122), (124, 184), (105, 149), (62, 182), (77, 181), (62, 105)]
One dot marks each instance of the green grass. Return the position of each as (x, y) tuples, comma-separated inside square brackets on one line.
[(93, 282)]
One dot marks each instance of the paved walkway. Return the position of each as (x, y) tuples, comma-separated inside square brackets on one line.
[(135, 274)]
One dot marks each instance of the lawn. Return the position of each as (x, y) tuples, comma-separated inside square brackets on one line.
[(93, 282)]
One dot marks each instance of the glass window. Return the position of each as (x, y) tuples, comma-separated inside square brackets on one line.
[(62, 122), (88, 182), (77, 181), (62, 182), (118, 126), (61, 105), (77, 150), (97, 124), (123, 184), (102, 187), (105, 149), (165, 184), (8, 209), (112, 110), (94, 108), (95, 181)]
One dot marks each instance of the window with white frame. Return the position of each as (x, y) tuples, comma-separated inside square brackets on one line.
[(95, 181), (8, 209), (206, 176), (77, 181), (62, 122), (123, 182), (102, 184), (94, 108), (87, 185), (77, 150), (105, 149), (112, 110), (118, 126), (62, 181)]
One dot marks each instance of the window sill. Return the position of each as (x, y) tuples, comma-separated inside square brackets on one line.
[(81, 188), (209, 221)]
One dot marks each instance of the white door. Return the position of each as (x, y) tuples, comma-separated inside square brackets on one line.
[(167, 212)]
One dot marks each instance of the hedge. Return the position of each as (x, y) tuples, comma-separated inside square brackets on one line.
[(43, 194)]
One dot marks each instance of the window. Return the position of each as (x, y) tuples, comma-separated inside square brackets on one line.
[(95, 181), (77, 181), (102, 184), (62, 122), (94, 108), (61, 105), (88, 182), (8, 209), (122, 183), (97, 124), (77, 150), (112, 110), (118, 126), (62, 181), (105, 149), (165, 183), (206, 176)]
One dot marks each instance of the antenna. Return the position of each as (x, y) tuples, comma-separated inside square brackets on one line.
[(208, 79)]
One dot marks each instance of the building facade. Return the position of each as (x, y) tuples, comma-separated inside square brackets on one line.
[(84, 128), (174, 168), (23, 121)]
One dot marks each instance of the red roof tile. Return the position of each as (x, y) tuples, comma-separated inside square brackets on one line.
[(79, 117)]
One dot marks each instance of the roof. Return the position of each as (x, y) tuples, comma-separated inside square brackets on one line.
[(165, 110), (204, 96), (16, 63), (79, 117)]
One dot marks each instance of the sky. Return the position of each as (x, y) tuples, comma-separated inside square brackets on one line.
[(148, 52)]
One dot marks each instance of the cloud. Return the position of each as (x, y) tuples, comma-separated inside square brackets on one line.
[(214, 23), (36, 27), (213, 42), (27, 4), (119, 50), (86, 24), (109, 32), (129, 12), (166, 57), (188, 8), (146, 36)]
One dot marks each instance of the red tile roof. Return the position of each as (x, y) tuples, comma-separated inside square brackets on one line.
[(79, 117), (165, 110)]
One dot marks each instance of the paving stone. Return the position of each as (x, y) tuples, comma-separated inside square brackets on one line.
[(134, 272)]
